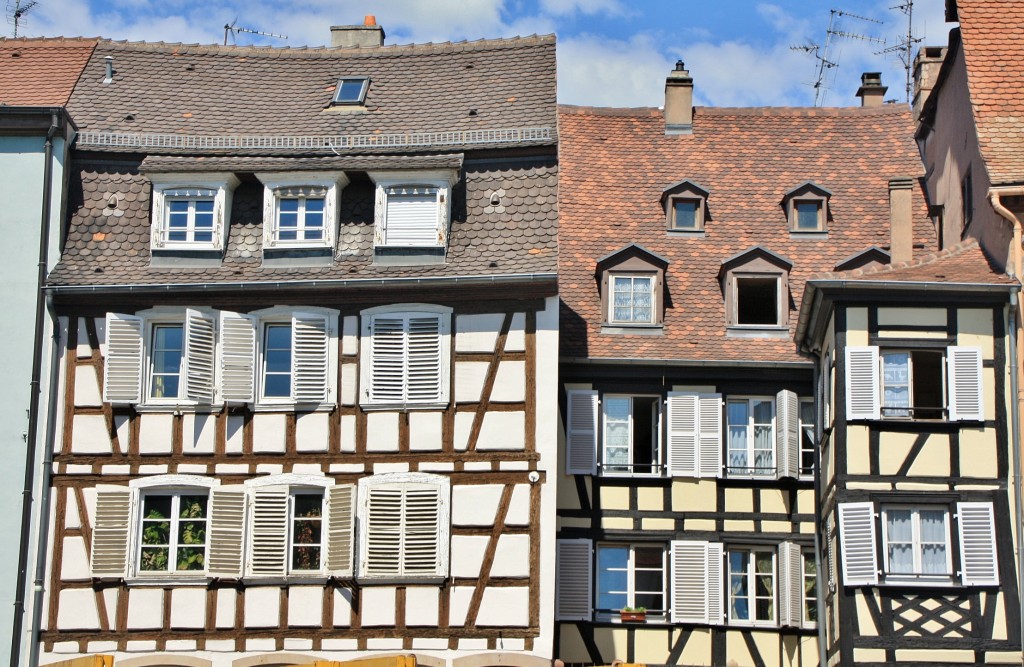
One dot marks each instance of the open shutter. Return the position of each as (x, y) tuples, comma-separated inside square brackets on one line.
[(424, 358), (310, 338), (709, 445), (109, 553), (341, 508), (122, 368), (269, 532), (787, 434), (387, 359), (977, 544), (697, 593), (574, 580), (862, 399), (683, 428), (966, 394), (715, 593), (200, 345), (581, 432), (383, 549), (791, 585), (857, 544), (421, 522), (227, 531), (237, 357)]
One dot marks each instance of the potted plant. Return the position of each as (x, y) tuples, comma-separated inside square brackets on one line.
[(633, 614)]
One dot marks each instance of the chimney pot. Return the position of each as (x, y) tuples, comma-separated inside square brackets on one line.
[(679, 101), (369, 19), (680, 66), (871, 91)]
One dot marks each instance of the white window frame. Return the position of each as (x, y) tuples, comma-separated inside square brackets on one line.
[(632, 276), (658, 466), (944, 408), (917, 577), (173, 521), (441, 180), (218, 186), (280, 315), (750, 400), (804, 427), (292, 519), (806, 601), (278, 185), (751, 579), (631, 571)]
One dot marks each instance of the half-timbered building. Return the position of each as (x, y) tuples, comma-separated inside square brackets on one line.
[(307, 391)]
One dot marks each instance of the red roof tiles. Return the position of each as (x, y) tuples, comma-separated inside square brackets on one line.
[(41, 72)]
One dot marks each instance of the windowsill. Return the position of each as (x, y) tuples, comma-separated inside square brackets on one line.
[(176, 408), (811, 235), (373, 407), (691, 233), (756, 331), (382, 580), (630, 475), (917, 580), (633, 329), (752, 624), (408, 255), (198, 579), (290, 406)]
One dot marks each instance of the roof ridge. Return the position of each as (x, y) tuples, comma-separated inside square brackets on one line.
[(48, 41)]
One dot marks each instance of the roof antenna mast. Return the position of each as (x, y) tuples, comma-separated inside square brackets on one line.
[(905, 49), (824, 54), (16, 11), (232, 29)]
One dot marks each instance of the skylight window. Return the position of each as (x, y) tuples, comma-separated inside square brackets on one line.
[(351, 90)]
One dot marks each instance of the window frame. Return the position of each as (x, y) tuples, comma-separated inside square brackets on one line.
[(287, 185), (751, 581), (190, 217), (805, 471), (657, 429), (632, 275), (359, 100), (685, 190), (751, 426), (218, 186), (741, 276), (917, 577), (442, 180), (795, 215), (943, 409), (174, 521), (279, 316), (672, 218), (631, 570), (303, 490), (149, 346), (808, 602)]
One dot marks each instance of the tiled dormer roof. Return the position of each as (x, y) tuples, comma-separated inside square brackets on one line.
[(41, 72), (614, 165)]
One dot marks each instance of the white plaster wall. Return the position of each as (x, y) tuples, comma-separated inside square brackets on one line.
[(312, 432), (475, 504), (89, 435), (382, 432), (261, 606), (155, 433), (268, 433), (422, 606), (305, 606), (479, 333), (87, 387), (425, 430), (198, 433)]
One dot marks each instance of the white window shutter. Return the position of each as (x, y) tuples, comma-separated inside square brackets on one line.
[(683, 431), (268, 546), (978, 544), (387, 358), (310, 339), (696, 595), (227, 531), (716, 583), (709, 444), (862, 385), (421, 523), (200, 349), (341, 512), (581, 432), (787, 434), (110, 531), (857, 542), (383, 550), (237, 357), (791, 585), (966, 392), (425, 364), (122, 368), (574, 580)]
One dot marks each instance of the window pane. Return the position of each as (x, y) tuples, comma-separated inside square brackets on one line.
[(166, 357), (350, 90), (739, 608), (685, 214), (807, 215), (896, 383), (277, 360), (612, 577)]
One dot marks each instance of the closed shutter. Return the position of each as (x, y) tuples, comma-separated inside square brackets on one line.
[(269, 542), (341, 507), (227, 531), (791, 585), (977, 544), (424, 362), (683, 429), (387, 359), (310, 338), (237, 357), (857, 544), (200, 346), (411, 217), (787, 434), (574, 580), (966, 393), (581, 432), (710, 435), (109, 553), (697, 582), (421, 531), (122, 368), (383, 550), (862, 393)]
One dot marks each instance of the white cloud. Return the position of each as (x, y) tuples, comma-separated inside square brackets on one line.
[(566, 7), (738, 74), (597, 71)]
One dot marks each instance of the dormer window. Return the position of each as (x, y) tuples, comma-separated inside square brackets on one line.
[(351, 90), (756, 286), (300, 210), (191, 211), (412, 209), (685, 206), (632, 282), (807, 208)]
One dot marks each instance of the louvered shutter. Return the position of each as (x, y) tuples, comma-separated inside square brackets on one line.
[(697, 593), (787, 434), (683, 429), (710, 435), (110, 531), (227, 531), (341, 504), (421, 531), (383, 550), (791, 585), (387, 359), (966, 393), (268, 546), (122, 368), (581, 432), (715, 593), (977, 544), (310, 339), (424, 363), (574, 579), (200, 346), (857, 544), (412, 216), (862, 386), (237, 357)]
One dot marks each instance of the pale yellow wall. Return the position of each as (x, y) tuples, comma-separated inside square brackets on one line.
[(614, 497), (975, 327), (856, 326), (693, 495), (927, 317)]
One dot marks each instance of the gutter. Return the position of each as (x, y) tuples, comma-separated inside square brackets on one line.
[(689, 363)]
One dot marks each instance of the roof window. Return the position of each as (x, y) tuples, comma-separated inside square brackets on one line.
[(351, 90)]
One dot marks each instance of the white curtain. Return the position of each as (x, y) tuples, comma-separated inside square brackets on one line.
[(900, 533), (933, 542)]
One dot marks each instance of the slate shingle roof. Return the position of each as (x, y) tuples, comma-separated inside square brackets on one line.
[(41, 72), (614, 165)]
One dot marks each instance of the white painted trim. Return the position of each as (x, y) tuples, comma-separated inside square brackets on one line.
[(223, 182), (333, 181)]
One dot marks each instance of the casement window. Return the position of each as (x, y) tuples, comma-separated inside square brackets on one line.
[(405, 356), (967, 197), (173, 531), (915, 384), (808, 443), (756, 286), (412, 209), (913, 544), (685, 203), (765, 438), (809, 588), (631, 576), (632, 299), (807, 208), (300, 210), (191, 211), (751, 586), (632, 435), (404, 527)]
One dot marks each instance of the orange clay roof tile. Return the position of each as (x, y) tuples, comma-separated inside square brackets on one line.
[(41, 72)]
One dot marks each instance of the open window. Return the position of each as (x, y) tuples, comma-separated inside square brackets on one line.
[(756, 287), (191, 212), (632, 435), (685, 205), (807, 208), (632, 288)]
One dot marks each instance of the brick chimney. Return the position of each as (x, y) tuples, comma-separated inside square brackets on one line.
[(369, 34), (926, 71), (679, 101), (901, 219), (871, 91)]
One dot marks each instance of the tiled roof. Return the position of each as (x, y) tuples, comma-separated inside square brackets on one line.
[(614, 165), (222, 91), (172, 163), (994, 53), (41, 72)]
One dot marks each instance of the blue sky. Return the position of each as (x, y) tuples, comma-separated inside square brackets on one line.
[(610, 52)]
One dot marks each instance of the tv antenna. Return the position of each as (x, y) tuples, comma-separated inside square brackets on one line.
[(16, 12), (905, 49), (232, 29), (823, 54)]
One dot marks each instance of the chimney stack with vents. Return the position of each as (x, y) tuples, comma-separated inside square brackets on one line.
[(871, 91), (369, 34), (679, 101), (901, 219), (926, 71)]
